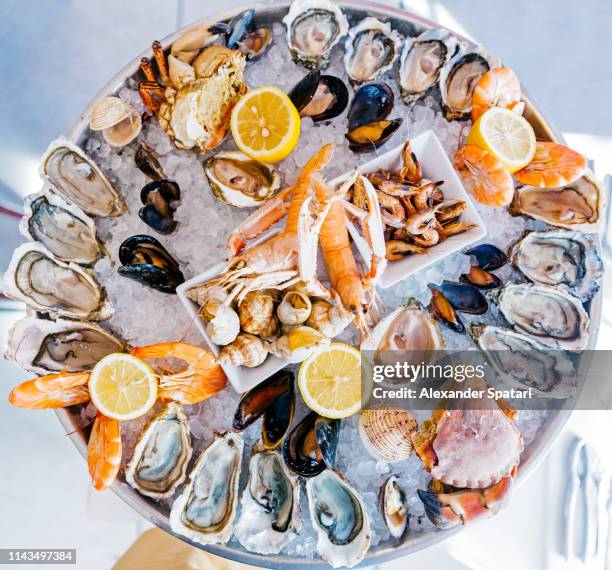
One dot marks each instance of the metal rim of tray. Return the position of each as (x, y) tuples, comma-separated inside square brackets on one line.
[(533, 455)]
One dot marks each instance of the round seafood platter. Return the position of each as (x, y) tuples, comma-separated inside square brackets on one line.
[(242, 213)]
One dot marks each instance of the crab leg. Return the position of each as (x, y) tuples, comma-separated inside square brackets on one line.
[(150, 92), (147, 69), (160, 59)]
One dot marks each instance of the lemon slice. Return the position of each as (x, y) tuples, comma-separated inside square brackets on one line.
[(265, 124), (505, 134), (122, 386), (330, 381)]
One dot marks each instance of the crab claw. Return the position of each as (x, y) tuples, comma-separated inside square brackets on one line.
[(447, 510)]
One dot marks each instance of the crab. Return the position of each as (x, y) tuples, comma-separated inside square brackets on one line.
[(473, 456), (198, 86)]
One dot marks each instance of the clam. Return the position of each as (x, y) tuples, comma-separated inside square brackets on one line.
[(576, 206), (64, 229), (159, 198), (245, 350), (313, 28), (406, 328), (422, 60), (370, 50), (147, 162), (274, 399), (458, 79), (205, 511), (386, 434), (549, 315), (119, 122), (256, 312), (270, 515), (239, 180), (339, 517), (320, 97), (78, 180), (47, 347), (294, 309), (244, 36), (564, 259), (394, 507), (311, 445), (145, 260), (523, 363), (368, 126), (53, 287), (159, 462)]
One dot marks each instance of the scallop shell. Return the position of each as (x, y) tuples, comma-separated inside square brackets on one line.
[(386, 434)]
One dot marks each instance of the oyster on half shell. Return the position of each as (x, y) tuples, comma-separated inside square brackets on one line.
[(78, 180), (545, 313), (422, 60), (205, 511), (370, 49), (46, 347), (314, 27), (339, 516), (51, 286), (561, 258), (163, 450), (64, 229), (270, 516)]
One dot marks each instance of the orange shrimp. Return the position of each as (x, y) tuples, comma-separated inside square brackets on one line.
[(202, 378), (553, 165), (484, 175), (498, 87), (52, 391), (104, 452)]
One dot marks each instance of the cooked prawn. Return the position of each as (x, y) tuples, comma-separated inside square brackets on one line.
[(393, 212), (484, 175), (104, 452), (498, 87), (411, 169), (52, 391), (202, 378), (553, 165)]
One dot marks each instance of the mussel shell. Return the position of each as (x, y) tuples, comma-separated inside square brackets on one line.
[(148, 163), (444, 311), (158, 197), (277, 419), (243, 36), (311, 446), (305, 90), (144, 259), (487, 256), (239, 26), (463, 297), (480, 278), (369, 137), (255, 43), (371, 103)]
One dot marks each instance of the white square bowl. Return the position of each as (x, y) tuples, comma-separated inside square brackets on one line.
[(240, 377), (435, 166)]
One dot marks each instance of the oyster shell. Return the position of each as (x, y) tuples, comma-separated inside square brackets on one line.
[(458, 79), (314, 27), (339, 516), (78, 180), (163, 450), (50, 286), (422, 60), (45, 347), (576, 206), (205, 511), (270, 517), (394, 507), (549, 315), (239, 180), (370, 49), (522, 362), (64, 229), (564, 259)]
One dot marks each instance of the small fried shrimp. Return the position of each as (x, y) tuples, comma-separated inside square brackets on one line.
[(428, 238), (411, 170), (553, 165), (499, 87), (397, 249), (484, 175)]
